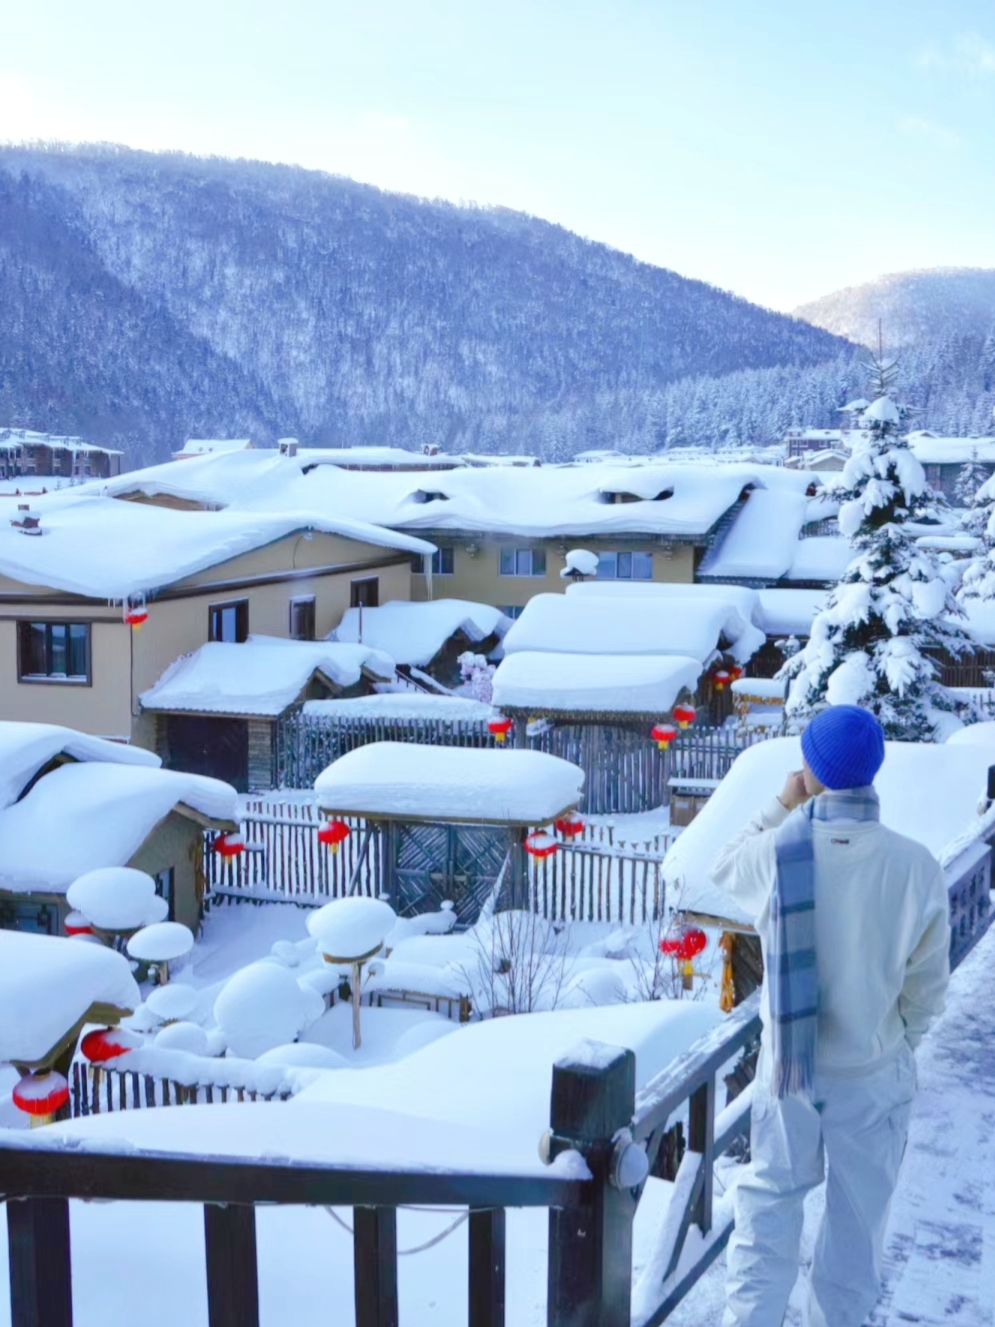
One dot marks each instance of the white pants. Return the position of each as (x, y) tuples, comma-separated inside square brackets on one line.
[(859, 1124)]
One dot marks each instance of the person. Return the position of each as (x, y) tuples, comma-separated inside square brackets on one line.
[(853, 923)]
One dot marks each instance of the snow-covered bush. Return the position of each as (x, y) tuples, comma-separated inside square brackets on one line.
[(871, 645), (477, 676), (519, 964), (978, 580)]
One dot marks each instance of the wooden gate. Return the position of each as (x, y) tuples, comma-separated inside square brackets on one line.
[(437, 862)]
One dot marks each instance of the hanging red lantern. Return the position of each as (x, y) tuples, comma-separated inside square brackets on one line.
[(720, 679), (670, 945), (735, 672), (569, 826), (77, 924), (41, 1095), (693, 942), (684, 715), (108, 1043), (334, 833), (499, 728), (663, 734), (229, 845), (136, 617), (539, 844)]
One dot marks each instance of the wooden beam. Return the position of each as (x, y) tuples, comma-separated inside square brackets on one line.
[(375, 1262), (40, 1263), (232, 1278), (487, 1269)]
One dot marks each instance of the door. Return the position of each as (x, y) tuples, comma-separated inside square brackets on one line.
[(218, 747), (457, 862)]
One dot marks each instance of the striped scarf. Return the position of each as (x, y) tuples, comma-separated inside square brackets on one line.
[(793, 981)]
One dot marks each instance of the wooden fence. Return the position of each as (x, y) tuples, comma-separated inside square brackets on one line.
[(594, 1111), (596, 876), (624, 771), (96, 1089)]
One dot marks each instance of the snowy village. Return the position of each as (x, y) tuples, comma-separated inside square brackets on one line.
[(497, 738)]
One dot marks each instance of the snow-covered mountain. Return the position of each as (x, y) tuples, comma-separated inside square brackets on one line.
[(912, 307), (148, 298)]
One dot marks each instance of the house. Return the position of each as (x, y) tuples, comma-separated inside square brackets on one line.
[(211, 447), (943, 459), (72, 586), (70, 803), (24, 452), (502, 533), (426, 637), (802, 441), (217, 709)]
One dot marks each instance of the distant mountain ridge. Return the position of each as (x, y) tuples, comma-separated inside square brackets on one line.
[(912, 307), (149, 298)]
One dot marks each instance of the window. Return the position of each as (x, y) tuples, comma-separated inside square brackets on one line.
[(164, 888), (365, 593), (229, 622), (59, 651), (511, 610), (522, 562), (442, 562), (302, 619), (625, 566)]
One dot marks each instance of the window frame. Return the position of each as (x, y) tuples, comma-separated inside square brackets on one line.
[(356, 596), (49, 678), (518, 557), (241, 607), (299, 602), (615, 555)]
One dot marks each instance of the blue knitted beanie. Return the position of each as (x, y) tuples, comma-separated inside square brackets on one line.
[(844, 746)]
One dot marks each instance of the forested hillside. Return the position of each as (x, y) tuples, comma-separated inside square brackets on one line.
[(148, 298)]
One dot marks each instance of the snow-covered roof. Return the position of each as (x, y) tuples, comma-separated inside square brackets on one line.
[(600, 624), (980, 622), (823, 558), (931, 450), (414, 633), (788, 612), (682, 500), (398, 706), (763, 541), (406, 781), (593, 683), (105, 549), (740, 597), (928, 792), (48, 984), (209, 446), (25, 748), (81, 817), (262, 675), (394, 458)]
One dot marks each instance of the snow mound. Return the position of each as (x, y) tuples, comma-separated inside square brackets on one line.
[(350, 928), (304, 1055), (26, 748), (172, 1001), (263, 1006), (162, 942), (414, 633), (181, 1036), (593, 683), (114, 898)]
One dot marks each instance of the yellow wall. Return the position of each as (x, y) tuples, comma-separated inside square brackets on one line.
[(125, 663), (477, 578)]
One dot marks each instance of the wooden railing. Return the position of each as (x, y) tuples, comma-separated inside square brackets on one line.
[(595, 1112)]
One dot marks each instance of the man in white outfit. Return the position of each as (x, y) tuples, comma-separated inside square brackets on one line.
[(852, 919)]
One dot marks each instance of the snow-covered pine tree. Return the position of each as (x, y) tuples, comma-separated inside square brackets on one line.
[(971, 477), (869, 644)]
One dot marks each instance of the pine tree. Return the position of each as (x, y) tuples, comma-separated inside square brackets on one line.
[(972, 476), (869, 644)]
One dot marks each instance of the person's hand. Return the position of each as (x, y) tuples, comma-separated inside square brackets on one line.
[(794, 792)]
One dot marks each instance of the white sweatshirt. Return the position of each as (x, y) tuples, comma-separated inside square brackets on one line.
[(882, 933)]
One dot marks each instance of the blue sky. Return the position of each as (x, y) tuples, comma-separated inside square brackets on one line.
[(780, 150)]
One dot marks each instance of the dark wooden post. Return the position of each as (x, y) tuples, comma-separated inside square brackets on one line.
[(701, 1138), (486, 1299), (41, 1293), (590, 1246), (232, 1278), (374, 1246)]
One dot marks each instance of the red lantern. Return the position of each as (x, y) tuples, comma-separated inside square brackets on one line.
[(671, 944), (136, 617), (663, 734), (694, 941), (77, 924), (499, 728), (229, 845), (108, 1043), (736, 673), (41, 1095), (684, 715), (539, 844), (333, 834), (720, 679), (569, 826)]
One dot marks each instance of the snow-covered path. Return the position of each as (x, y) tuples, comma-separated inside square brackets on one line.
[(940, 1265)]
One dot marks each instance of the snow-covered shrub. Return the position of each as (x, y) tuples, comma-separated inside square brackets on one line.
[(477, 676), (519, 965), (871, 644)]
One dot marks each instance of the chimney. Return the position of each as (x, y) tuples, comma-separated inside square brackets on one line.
[(288, 446)]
